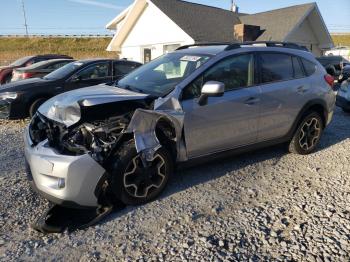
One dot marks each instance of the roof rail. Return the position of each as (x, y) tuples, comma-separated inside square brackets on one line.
[(203, 44), (235, 45), (267, 44)]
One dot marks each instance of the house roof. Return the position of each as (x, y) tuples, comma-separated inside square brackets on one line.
[(205, 23), (201, 22), (277, 24)]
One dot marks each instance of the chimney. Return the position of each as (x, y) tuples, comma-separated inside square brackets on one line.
[(234, 7), (243, 32)]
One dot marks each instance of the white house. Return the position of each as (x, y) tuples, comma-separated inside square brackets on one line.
[(150, 28)]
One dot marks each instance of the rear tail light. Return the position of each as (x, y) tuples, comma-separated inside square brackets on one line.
[(27, 75), (330, 80)]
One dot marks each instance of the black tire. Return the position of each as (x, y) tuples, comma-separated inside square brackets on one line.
[(345, 110), (306, 139), (125, 161), (35, 105), (8, 78)]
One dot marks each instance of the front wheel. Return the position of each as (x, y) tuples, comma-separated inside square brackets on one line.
[(308, 134), (35, 106), (133, 182)]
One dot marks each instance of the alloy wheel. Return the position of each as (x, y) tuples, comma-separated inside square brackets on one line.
[(310, 133), (141, 181)]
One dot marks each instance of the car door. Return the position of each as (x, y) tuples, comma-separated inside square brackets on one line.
[(92, 74), (225, 122), (284, 91)]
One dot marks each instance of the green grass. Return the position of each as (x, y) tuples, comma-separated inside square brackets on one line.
[(79, 48)]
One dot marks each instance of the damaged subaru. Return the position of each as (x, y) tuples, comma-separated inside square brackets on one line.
[(121, 142)]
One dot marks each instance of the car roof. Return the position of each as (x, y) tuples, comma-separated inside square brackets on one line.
[(210, 50), (91, 60), (330, 57), (215, 49), (50, 55), (43, 63)]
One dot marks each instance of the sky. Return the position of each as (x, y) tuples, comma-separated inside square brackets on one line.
[(91, 16)]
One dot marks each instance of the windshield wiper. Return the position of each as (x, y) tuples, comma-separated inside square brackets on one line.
[(134, 89)]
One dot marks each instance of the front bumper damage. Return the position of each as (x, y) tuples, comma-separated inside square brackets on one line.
[(70, 181), (77, 180)]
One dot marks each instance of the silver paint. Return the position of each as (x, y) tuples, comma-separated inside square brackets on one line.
[(81, 173)]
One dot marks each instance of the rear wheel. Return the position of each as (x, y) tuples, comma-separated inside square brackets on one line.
[(8, 79), (346, 110), (35, 105), (132, 182), (308, 134)]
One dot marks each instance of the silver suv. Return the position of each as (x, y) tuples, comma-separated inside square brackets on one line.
[(87, 147)]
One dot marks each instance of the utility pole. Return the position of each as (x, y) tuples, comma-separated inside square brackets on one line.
[(25, 18)]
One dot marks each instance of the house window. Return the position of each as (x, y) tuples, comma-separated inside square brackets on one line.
[(170, 48)]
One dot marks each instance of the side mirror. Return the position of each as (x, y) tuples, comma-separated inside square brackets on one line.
[(211, 89)]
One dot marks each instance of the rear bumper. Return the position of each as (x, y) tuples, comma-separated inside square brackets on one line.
[(71, 181)]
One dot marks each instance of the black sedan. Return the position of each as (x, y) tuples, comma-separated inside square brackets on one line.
[(38, 69), (21, 99)]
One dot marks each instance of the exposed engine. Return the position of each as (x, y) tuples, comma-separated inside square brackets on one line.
[(96, 138)]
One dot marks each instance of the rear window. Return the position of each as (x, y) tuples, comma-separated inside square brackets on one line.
[(276, 67), (310, 68), (298, 70)]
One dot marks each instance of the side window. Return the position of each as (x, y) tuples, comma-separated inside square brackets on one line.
[(298, 71), (276, 67), (30, 62), (235, 72), (310, 68), (39, 59), (57, 65), (121, 68), (95, 71)]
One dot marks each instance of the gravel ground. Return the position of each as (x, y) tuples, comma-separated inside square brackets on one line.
[(266, 205)]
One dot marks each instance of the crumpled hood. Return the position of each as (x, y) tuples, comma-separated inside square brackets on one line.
[(66, 107), (23, 84)]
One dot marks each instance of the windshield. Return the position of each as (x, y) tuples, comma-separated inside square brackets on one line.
[(21, 61), (63, 71), (160, 76)]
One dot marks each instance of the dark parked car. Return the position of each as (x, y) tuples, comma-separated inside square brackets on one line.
[(39, 69), (6, 71), (21, 99), (333, 64), (345, 74)]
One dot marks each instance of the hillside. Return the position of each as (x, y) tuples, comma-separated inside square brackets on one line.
[(13, 48), (343, 40)]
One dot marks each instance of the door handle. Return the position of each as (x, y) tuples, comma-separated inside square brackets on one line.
[(251, 101)]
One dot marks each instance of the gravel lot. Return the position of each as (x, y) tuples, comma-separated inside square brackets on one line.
[(259, 206)]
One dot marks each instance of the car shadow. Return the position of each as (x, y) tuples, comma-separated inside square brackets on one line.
[(188, 177), (337, 131), (184, 178)]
